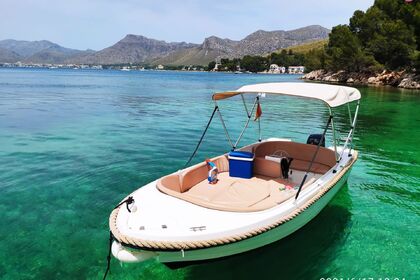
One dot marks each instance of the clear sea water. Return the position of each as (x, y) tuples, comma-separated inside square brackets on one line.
[(73, 143)]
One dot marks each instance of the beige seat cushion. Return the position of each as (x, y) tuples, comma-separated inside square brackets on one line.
[(298, 151), (237, 194), (301, 153), (197, 173), (240, 194)]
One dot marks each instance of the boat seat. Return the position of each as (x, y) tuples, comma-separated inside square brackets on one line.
[(301, 154), (182, 182), (263, 191), (271, 168), (235, 194)]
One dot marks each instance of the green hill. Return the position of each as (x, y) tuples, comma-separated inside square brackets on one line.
[(306, 47)]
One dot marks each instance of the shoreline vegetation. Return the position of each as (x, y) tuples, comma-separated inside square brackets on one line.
[(378, 47)]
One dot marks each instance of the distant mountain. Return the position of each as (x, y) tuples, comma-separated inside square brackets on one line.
[(25, 48), (258, 43), (8, 56), (140, 49), (261, 42), (211, 49), (56, 55), (134, 49), (37, 52)]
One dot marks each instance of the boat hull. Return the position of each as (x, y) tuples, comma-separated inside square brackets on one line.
[(248, 244)]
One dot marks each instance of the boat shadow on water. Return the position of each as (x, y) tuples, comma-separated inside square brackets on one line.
[(305, 254)]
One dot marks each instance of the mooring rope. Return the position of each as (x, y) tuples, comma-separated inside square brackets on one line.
[(129, 200), (108, 258)]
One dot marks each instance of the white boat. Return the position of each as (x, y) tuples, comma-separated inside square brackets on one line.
[(264, 191)]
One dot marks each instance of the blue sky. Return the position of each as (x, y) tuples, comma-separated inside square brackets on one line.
[(97, 24)]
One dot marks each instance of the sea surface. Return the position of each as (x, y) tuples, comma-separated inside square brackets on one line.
[(73, 143)]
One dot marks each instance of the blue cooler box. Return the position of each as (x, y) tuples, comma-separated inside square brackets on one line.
[(241, 164)]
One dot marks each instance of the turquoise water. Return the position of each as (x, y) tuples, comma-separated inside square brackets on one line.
[(73, 143)]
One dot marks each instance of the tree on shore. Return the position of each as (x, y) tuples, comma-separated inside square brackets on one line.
[(386, 36), (386, 32), (344, 51), (254, 63), (211, 65)]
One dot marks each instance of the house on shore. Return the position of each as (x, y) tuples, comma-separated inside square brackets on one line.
[(296, 69), (275, 69)]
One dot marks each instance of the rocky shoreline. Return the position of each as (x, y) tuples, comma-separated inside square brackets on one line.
[(400, 79)]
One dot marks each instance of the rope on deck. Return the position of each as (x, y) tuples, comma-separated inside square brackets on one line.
[(185, 245)]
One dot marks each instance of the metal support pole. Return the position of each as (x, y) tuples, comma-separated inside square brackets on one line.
[(225, 129), (350, 134), (313, 157), (350, 117), (246, 108), (354, 127), (334, 135), (246, 125)]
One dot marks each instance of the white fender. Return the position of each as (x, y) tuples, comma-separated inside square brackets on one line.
[(126, 254)]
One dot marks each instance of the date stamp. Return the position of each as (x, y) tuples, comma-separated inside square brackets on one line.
[(362, 278)]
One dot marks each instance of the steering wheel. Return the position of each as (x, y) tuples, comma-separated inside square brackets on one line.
[(285, 162), (281, 153)]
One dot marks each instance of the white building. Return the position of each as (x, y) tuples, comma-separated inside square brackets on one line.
[(275, 69), (296, 69)]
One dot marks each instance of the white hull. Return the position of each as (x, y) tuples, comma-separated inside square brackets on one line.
[(257, 241), (127, 254)]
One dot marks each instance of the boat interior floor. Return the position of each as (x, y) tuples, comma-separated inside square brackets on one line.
[(231, 193), (241, 195), (264, 190)]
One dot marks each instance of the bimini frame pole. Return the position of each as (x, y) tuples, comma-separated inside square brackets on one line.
[(351, 132), (259, 130), (246, 107), (246, 125), (354, 127), (249, 116), (334, 135), (314, 156), (224, 125)]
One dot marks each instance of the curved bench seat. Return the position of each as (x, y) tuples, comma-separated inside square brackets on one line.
[(236, 194), (263, 191)]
